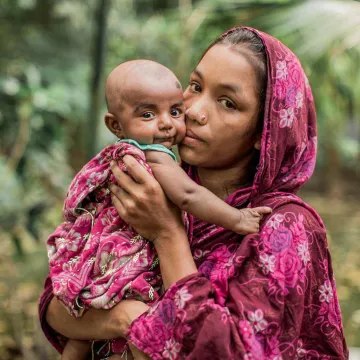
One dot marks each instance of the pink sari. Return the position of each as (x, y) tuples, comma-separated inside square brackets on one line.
[(269, 295)]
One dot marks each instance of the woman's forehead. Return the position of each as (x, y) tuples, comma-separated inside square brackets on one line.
[(224, 67)]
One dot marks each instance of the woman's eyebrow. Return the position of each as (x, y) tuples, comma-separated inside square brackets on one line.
[(198, 73), (231, 87)]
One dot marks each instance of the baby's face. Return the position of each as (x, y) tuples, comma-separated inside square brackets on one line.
[(153, 111)]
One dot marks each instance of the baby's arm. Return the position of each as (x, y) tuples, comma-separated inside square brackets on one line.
[(199, 201)]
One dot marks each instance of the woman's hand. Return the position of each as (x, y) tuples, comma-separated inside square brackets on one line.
[(126, 312), (142, 203)]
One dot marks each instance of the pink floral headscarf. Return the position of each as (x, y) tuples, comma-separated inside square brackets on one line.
[(289, 137), (288, 147)]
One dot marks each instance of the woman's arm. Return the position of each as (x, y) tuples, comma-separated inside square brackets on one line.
[(199, 201), (95, 323)]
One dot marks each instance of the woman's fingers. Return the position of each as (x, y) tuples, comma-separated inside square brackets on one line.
[(141, 202), (117, 195), (138, 172), (124, 180)]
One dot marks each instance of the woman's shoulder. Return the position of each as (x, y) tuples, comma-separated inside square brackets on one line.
[(296, 228), (293, 212)]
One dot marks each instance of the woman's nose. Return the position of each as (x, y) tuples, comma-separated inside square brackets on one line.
[(195, 112)]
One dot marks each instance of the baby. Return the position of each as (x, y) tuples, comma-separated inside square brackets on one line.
[(96, 259)]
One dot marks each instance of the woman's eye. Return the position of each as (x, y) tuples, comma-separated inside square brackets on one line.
[(175, 112), (195, 87), (227, 104), (147, 115)]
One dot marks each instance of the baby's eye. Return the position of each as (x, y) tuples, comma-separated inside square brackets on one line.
[(194, 86), (175, 112), (227, 104), (148, 115)]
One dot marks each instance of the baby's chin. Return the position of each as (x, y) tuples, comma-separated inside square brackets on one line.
[(168, 142), (178, 141)]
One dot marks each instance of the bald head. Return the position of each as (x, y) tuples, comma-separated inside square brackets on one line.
[(127, 77)]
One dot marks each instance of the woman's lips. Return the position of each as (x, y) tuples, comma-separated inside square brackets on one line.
[(191, 139)]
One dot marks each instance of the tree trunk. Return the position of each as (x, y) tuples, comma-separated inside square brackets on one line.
[(96, 92)]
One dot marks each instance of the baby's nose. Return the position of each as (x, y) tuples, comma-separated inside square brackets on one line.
[(165, 122)]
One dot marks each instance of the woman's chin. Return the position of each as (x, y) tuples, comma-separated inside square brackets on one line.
[(188, 154)]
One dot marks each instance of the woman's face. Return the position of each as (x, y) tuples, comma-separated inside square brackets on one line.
[(222, 103)]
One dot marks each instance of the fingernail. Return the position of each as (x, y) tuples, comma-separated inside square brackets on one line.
[(112, 163)]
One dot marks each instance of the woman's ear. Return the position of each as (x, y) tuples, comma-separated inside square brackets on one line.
[(113, 124), (257, 144)]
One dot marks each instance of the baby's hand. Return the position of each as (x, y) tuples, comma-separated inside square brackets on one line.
[(76, 350), (249, 219)]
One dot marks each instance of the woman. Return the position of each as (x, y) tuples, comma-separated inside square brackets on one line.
[(251, 140)]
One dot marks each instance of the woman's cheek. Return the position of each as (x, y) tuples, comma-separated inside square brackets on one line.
[(181, 130)]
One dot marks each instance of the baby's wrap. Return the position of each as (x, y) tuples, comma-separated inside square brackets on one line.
[(96, 259)]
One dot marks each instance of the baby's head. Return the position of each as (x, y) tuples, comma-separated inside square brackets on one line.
[(145, 103)]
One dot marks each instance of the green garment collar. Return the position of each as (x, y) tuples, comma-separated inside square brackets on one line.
[(151, 147)]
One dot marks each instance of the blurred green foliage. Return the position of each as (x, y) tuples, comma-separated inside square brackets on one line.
[(52, 71)]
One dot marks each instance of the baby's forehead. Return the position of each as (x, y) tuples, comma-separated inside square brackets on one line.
[(152, 90), (138, 70)]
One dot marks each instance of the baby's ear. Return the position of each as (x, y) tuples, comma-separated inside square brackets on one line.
[(113, 124)]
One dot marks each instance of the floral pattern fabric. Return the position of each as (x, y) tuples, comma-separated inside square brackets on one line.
[(269, 295), (96, 259)]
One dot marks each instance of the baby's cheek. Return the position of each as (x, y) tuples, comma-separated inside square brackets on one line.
[(144, 133), (181, 130)]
